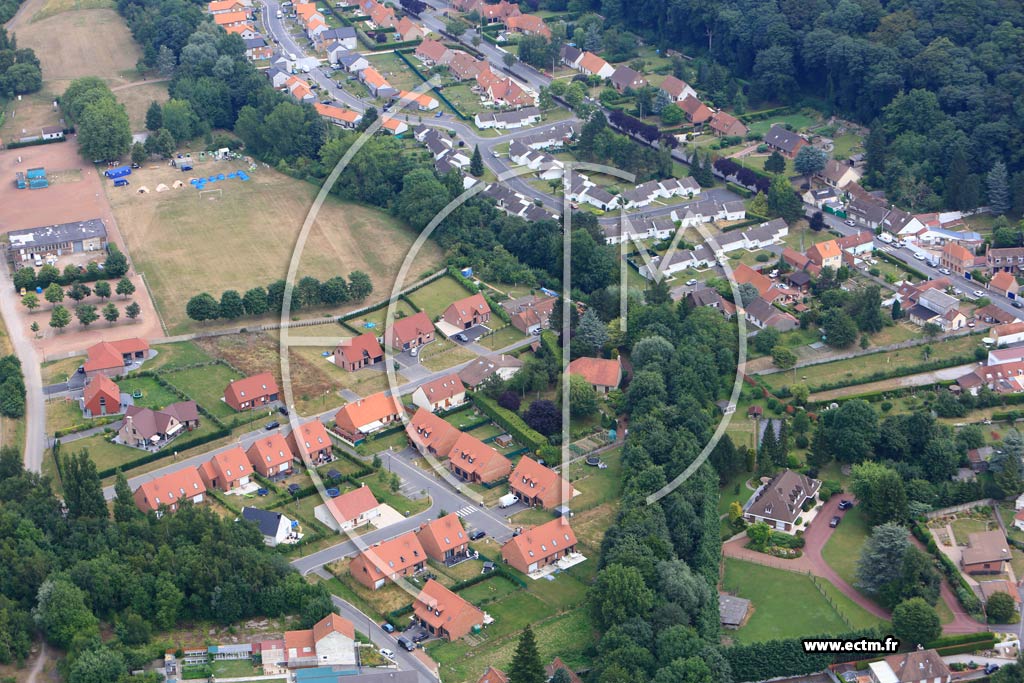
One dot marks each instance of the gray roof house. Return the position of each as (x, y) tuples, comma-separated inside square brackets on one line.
[(732, 610), (80, 236), (274, 526), (785, 141), (779, 502)]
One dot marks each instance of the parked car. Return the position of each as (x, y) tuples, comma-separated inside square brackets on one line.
[(849, 222), (388, 628), (919, 256), (413, 352), (406, 644), (978, 293), (272, 425), (845, 504), (1016, 304), (691, 282), (282, 410), (438, 114), (477, 535), (991, 669), (461, 337), (420, 637), (834, 522), (944, 271), (385, 652)]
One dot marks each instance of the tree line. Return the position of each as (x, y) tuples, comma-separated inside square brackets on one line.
[(308, 292), (20, 72), (74, 571)]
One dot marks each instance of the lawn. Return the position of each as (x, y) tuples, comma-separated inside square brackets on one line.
[(733, 491), (255, 223), (565, 636), (846, 145), (396, 71), (153, 395), (773, 614), (802, 239), (964, 527), (463, 97), (63, 413), (863, 366), (797, 121), (489, 591), (443, 354), (842, 550), (176, 355), (235, 669), (104, 453), (205, 385), (436, 296), (404, 506), (596, 486), (506, 336), (378, 317)]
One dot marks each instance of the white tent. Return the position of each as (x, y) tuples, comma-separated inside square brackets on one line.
[(162, 188)]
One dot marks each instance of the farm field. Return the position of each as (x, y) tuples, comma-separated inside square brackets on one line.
[(773, 615), (168, 234)]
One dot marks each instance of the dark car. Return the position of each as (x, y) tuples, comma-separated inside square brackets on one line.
[(272, 425), (420, 637), (845, 504), (477, 535), (991, 669), (387, 627), (1016, 304), (406, 644), (834, 522), (282, 410)]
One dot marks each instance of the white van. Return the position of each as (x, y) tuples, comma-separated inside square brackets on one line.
[(885, 237)]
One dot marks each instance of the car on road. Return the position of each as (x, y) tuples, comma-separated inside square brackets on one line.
[(845, 504), (978, 293), (406, 644), (919, 256), (438, 114), (834, 522), (991, 669), (691, 282), (385, 652), (282, 410), (945, 271), (1016, 304), (957, 291), (849, 222), (272, 425), (387, 627), (477, 535)]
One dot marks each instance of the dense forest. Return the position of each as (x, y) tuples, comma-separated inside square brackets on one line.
[(940, 83), (73, 573)]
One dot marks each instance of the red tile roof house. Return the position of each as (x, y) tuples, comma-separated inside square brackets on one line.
[(251, 392), (331, 642), (111, 358), (601, 373), (443, 393), (169, 491), (557, 665), (537, 485), (311, 439), (528, 24), (152, 429), (350, 510), (444, 614), (540, 546), (677, 89), (101, 397), (400, 557), (358, 352), (431, 435), (957, 258), (726, 125), (493, 675), (445, 539), (410, 332), (270, 456), (227, 470), (1004, 284), (465, 313), (431, 52), (474, 461), (357, 419)]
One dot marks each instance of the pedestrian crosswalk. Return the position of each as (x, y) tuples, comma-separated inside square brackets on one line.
[(466, 511)]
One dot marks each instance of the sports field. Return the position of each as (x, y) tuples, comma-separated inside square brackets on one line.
[(245, 236)]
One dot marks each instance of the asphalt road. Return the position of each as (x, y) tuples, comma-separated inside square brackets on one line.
[(907, 256), (406, 661)]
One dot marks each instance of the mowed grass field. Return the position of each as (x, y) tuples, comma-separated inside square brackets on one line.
[(186, 243)]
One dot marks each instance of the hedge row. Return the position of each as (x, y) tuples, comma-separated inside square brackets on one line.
[(750, 222), (33, 143), (509, 421), (549, 340), (364, 469), (929, 366), (95, 422), (763, 114), (499, 570), (964, 593), (774, 658), (899, 264), (740, 190), (178, 445)]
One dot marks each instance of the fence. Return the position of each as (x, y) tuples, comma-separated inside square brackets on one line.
[(962, 507), (829, 600)]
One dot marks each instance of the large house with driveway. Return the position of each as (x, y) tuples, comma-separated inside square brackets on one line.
[(410, 332), (400, 557), (169, 491), (444, 614), (251, 392), (152, 429), (366, 415), (779, 502)]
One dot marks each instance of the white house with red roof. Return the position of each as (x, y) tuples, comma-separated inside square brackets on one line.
[(311, 439), (443, 393), (270, 456), (227, 470), (601, 373), (331, 642)]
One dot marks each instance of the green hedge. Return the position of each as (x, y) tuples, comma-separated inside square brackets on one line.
[(509, 421), (740, 190), (900, 264), (774, 658), (549, 340), (964, 593), (34, 143), (92, 424), (176, 445), (468, 284)]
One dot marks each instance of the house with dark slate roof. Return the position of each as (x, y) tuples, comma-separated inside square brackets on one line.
[(779, 502)]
